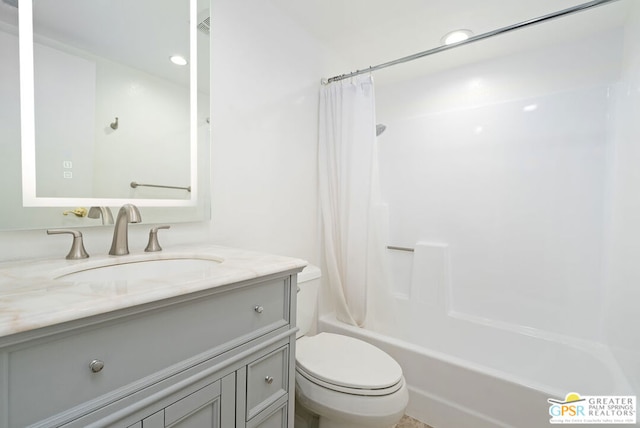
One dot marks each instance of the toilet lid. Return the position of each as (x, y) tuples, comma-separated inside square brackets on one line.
[(346, 362)]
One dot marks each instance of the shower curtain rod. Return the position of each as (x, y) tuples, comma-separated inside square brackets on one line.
[(503, 30)]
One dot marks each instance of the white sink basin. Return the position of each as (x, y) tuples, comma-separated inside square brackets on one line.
[(144, 269)]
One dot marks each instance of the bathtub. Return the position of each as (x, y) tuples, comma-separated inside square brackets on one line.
[(490, 377)]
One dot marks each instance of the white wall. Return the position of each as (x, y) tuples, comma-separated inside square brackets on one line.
[(266, 74), (623, 273), (266, 77), (517, 196)]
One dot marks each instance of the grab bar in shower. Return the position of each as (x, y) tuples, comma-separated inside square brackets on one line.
[(391, 247), (134, 185)]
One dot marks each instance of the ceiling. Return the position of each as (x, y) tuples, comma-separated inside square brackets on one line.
[(361, 33), (369, 32), (136, 33)]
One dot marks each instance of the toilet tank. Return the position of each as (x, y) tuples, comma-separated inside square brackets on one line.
[(308, 285)]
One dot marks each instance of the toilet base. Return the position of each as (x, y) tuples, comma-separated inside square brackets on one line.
[(339, 410), (304, 418), (326, 423)]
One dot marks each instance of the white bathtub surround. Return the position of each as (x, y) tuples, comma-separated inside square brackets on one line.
[(547, 361), (347, 160), (472, 380), (31, 297), (515, 180), (622, 317), (526, 241), (431, 275)]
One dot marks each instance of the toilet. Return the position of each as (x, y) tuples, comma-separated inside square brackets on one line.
[(342, 382)]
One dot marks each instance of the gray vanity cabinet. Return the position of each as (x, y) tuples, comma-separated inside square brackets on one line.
[(219, 357), (201, 409), (198, 410)]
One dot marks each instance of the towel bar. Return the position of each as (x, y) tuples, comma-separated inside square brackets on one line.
[(391, 247), (134, 185)]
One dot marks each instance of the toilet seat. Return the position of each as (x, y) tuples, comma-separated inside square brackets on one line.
[(348, 365)]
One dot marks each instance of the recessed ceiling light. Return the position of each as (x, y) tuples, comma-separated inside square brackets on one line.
[(456, 36), (178, 60)]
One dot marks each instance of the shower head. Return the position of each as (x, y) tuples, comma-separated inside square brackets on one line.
[(380, 129)]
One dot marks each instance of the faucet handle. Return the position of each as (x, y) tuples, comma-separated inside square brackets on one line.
[(77, 247), (153, 244)]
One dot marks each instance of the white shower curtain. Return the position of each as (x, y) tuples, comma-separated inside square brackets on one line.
[(347, 166)]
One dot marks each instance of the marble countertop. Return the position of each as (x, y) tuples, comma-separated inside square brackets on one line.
[(32, 294)]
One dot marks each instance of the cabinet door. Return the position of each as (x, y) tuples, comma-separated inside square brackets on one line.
[(201, 409), (274, 419), (154, 421), (198, 410)]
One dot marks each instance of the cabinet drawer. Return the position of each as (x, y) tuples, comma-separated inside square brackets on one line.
[(267, 380), (56, 374)]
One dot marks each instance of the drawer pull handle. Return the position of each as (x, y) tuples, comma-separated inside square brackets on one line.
[(268, 379), (96, 365), (258, 309)]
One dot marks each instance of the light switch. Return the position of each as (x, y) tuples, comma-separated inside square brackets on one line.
[(67, 164), (67, 174)]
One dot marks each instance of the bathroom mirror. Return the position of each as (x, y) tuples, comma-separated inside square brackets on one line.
[(119, 49), (106, 117)]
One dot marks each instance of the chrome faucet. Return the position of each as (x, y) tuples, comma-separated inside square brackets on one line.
[(101, 212), (128, 214)]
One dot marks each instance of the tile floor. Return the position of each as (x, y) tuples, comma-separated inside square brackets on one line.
[(407, 422)]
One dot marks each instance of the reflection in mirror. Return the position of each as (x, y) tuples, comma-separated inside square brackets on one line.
[(148, 145), (73, 145)]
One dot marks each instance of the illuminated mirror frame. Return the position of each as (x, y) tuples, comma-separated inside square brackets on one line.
[(27, 123)]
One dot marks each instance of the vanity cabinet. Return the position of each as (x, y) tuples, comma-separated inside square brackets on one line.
[(202, 409), (218, 357)]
